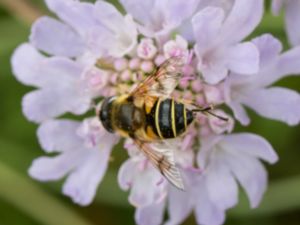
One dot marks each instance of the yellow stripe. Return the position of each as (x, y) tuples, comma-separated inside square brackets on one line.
[(173, 118), (156, 119), (184, 117)]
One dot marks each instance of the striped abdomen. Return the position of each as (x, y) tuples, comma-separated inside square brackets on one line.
[(168, 119)]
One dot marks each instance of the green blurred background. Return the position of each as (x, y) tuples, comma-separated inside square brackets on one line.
[(25, 201)]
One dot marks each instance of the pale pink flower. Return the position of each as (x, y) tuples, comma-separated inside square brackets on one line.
[(98, 52)]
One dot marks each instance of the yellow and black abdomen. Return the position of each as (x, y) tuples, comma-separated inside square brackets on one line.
[(168, 118)]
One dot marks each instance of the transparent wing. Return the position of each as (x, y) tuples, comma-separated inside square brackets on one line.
[(163, 81), (162, 157)]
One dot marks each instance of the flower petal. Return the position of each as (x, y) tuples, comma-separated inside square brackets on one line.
[(221, 186), (54, 168), (206, 212), (288, 64), (251, 175), (139, 9), (292, 19), (158, 19), (181, 203), (269, 49), (150, 215), (239, 113), (147, 188), (126, 174), (24, 61), (219, 126), (32, 68), (44, 104), (274, 68), (207, 24), (109, 16), (247, 143), (214, 73), (242, 20), (277, 6), (275, 103), (225, 5), (178, 10), (243, 58), (122, 30), (99, 40), (59, 135), (65, 42), (82, 184), (77, 14), (207, 145), (58, 72)]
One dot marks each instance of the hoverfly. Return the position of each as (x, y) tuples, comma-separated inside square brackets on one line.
[(148, 115)]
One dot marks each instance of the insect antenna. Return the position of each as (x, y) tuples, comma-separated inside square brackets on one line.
[(208, 110)]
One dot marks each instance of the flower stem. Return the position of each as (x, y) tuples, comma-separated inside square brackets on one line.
[(105, 64), (28, 197), (23, 10)]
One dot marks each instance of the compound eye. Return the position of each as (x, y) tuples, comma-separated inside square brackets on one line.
[(105, 114)]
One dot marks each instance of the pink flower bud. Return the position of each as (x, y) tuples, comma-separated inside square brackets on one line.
[(200, 100), (126, 75), (147, 66), (146, 49), (197, 85), (188, 95), (177, 47), (120, 64), (134, 63), (213, 94), (159, 60), (114, 78), (184, 83)]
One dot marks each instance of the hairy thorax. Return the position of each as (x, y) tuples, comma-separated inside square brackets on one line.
[(128, 118)]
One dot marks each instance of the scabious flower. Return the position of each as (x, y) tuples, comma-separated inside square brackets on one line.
[(98, 52), (292, 18)]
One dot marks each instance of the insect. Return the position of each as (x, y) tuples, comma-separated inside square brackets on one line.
[(150, 117)]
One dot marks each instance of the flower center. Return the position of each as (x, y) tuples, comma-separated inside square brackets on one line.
[(123, 74)]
